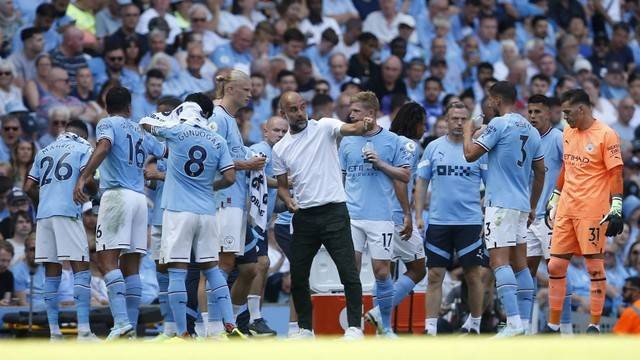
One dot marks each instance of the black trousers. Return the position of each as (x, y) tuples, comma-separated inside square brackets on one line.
[(327, 225)]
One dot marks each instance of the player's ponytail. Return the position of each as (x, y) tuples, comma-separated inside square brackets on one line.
[(226, 77)]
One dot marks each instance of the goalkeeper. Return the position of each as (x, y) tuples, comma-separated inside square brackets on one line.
[(586, 205)]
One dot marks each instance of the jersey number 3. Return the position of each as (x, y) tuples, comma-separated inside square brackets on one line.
[(524, 139)]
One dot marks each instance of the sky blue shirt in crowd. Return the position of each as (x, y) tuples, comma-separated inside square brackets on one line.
[(551, 143), (130, 145), (409, 150), (56, 169), (236, 194), (196, 155), (264, 148), (225, 56), (512, 145), (369, 191), (185, 83), (319, 61), (455, 183), (261, 113), (22, 282), (141, 106), (156, 213)]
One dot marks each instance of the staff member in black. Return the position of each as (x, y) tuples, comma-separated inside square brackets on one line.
[(309, 156)]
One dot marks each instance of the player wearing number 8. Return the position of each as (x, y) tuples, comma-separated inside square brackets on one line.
[(513, 148), (61, 236), (590, 180), (121, 235)]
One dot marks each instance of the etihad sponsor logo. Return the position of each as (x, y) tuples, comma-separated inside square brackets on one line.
[(575, 158)]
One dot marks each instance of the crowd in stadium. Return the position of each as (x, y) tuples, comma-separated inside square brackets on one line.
[(60, 59)]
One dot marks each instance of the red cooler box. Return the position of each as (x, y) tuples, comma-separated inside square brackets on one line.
[(330, 314)]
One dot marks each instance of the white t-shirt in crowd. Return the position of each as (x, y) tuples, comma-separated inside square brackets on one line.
[(310, 157)]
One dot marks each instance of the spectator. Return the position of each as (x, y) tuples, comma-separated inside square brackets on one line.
[(38, 87), (565, 83), (509, 56), (84, 89), (603, 109), (294, 43), (599, 55), (11, 132), (23, 155), (342, 107), (6, 277), (23, 279), (114, 57), (146, 103), (6, 184), (322, 106), (236, 52), (198, 16), (321, 53), (432, 104), (286, 82), (578, 277), (45, 16), (615, 87), (615, 281), (158, 45), (388, 82), (303, 71), (397, 100), (567, 46), (243, 13), (338, 74), (626, 109), (130, 14), (180, 10), (620, 51), (487, 44), (261, 107), (159, 8), (314, 25), (132, 55), (83, 14), (634, 93), (384, 23), (340, 10), (24, 60), (8, 91), (192, 79), (562, 11), (540, 85), (59, 117), (22, 224), (10, 21), (632, 263), (361, 65), (583, 70), (60, 95), (350, 45), (629, 322), (69, 55), (579, 29), (413, 81), (108, 19)]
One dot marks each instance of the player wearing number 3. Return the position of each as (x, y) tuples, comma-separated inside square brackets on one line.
[(590, 180), (121, 235), (513, 148)]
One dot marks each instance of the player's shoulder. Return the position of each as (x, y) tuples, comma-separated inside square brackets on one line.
[(434, 144)]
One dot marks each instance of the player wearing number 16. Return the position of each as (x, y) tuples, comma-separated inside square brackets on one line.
[(514, 149), (121, 233), (61, 236), (589, 181)]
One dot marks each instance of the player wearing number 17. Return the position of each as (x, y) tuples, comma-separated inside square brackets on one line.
[(513, 148), (589, 181), (121, 233)]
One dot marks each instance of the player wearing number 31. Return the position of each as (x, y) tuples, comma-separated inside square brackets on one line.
[(590, 178), (121, 233), (513, 148), (61, 236)]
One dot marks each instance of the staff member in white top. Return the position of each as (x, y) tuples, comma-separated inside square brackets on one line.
[(309, 155)]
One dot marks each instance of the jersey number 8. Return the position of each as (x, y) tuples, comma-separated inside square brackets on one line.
[(195, 166)]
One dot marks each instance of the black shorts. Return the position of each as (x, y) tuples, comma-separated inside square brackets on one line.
[(250, 255), (465, 240), (262, 244), (283, 238)]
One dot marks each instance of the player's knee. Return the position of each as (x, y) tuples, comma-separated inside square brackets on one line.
[(416, 271), (558, 266), (248, 271), (595, 267), (263, 264), (436, 275)]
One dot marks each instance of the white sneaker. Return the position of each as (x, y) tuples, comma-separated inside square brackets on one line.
[(388, 334), (87, 337), (353, 333), (119, 330), (510, 331), (374, 317), (302, 334)]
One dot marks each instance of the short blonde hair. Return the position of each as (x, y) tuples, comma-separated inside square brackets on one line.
[(227, 76), (368, 99)]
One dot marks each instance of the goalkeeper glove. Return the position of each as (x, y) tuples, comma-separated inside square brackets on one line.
[(552, 206), (614, 217)]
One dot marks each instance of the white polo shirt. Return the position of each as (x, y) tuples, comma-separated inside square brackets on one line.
[(310, 157)]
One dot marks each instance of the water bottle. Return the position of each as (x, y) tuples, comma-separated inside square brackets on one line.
[(368, 148)]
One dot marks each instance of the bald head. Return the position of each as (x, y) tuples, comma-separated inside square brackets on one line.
[(293, 108), (392, 69), (626, 110), (72, 40)]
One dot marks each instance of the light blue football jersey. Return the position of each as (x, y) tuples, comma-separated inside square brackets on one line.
[(512, 145), (226, 126), (130, 145), (370, 191), (156, 214), (455, 183), (196, 155), (264, 148), (551, 143), (56, 169), (409, 150)]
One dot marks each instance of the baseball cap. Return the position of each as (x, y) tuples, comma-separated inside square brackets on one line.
[(581, 65), (17, 195), (615, 68), (407, 21), (353, 81)]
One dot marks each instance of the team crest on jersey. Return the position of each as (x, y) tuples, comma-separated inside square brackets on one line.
[(589, 147), (410, 146), (228, 240), (213, 125)]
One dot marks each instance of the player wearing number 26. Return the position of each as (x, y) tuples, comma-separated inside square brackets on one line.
[(514, 150), (589, 181), (121, 233)]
